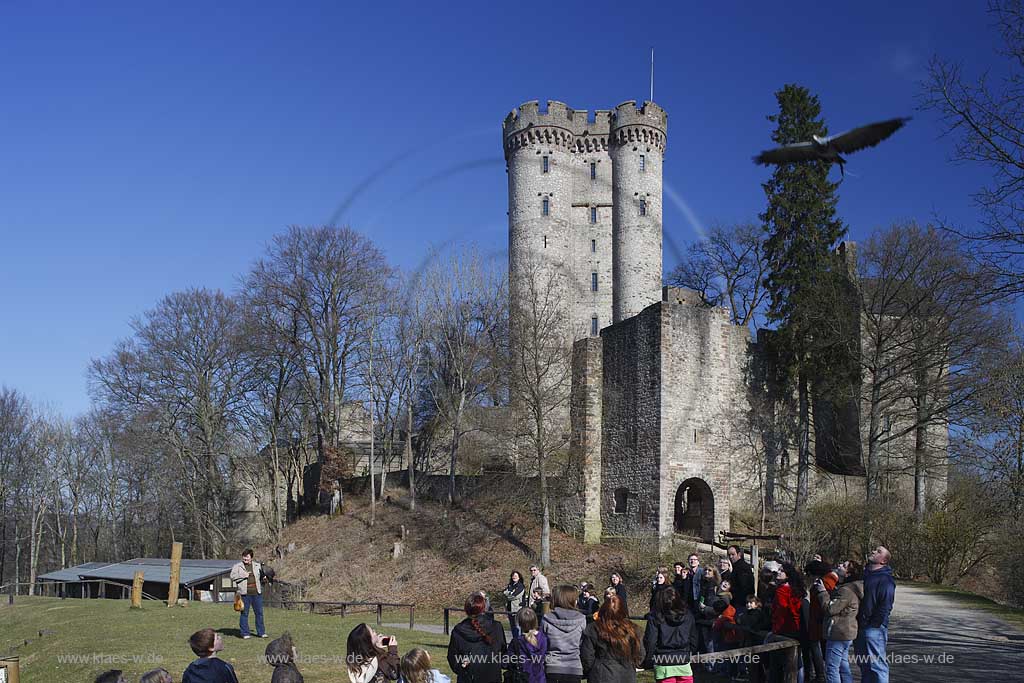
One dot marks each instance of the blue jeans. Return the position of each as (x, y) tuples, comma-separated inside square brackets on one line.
[(837, 662), (256, 602), (514, 625), (870, 650)]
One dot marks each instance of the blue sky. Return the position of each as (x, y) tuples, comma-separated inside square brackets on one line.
[(152, 147)]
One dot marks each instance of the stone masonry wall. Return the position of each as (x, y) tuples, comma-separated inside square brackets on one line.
[(630, 416), (585, 440), (702, 377)]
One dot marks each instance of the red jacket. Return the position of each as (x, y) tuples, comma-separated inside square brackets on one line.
[(725, 624), (786, 610)]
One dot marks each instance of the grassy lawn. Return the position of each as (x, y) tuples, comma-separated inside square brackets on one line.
[(141, 640), (1012, 615)]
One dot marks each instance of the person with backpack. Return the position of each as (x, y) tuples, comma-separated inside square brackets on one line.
[(670, 639), (563, 626), (477, 646), (527, 651), (611, 648), (840, 629)]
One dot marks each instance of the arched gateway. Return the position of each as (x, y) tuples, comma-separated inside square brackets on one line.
[(695, 509)]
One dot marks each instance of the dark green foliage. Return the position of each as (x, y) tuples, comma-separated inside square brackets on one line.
[(801, 222)]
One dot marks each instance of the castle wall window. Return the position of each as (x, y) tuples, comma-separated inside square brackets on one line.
[(594, 329), (545, 241), (545, 164), (643, 163), (643, 207), (593, 282), (546, 207), (593, 170), (621, 501), (593, 246), (593, 214)]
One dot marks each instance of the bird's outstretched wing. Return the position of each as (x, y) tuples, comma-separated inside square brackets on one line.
[(800, 151), (865, 136)]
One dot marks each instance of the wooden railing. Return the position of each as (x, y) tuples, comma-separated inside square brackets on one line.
[(345, 608), (56, 589)]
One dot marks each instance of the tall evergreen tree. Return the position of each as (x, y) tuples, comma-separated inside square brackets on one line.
[(802, 232)]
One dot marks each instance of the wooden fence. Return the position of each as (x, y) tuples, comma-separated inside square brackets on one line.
[(346, 608)]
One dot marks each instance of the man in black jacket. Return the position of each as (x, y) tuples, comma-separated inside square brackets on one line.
[(742, 578)]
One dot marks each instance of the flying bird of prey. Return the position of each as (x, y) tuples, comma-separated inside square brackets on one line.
[(829, 149)]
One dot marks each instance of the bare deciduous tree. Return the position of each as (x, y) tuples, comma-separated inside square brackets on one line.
[(728, 269), (540, 376), (986, 119), (464, 305)]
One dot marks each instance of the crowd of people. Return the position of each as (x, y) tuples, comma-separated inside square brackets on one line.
[(568, 633)]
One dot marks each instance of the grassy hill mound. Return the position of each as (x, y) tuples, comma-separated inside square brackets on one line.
[(444, 558)]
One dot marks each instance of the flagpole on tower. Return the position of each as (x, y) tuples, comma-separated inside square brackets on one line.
[(652, 74)]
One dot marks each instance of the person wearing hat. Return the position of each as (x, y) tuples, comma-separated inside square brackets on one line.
[(587, 602)]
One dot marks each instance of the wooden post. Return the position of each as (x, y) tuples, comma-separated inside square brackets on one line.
[(791, 664), (9, 669), (446, 629), (172, 587), (380, 608), (412, 616), (754, 564), (137, 591)]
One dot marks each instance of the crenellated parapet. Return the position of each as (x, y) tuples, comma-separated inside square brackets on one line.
[(647, 124), (573, 130)]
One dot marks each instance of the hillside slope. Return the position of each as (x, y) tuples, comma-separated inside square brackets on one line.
[(443, 559)]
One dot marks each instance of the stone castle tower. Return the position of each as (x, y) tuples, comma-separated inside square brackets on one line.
[(658, 413), (585, 199)]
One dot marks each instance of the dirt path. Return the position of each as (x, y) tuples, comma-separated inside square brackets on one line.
[(950, 641)]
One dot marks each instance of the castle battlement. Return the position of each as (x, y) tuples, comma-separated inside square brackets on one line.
[(648, 114), (647, 125), (575, 122)]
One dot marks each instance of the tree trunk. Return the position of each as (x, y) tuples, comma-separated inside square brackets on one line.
[(451, 465), (545, 524), (874, 425), (411, 459), (920, 454), (35, 541), (803, 451)]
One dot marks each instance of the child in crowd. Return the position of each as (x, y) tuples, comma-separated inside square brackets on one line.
[(208, 668), (416, 667), (112, 676), (527, 652), (281, 654), (587, 603), (156, 676)]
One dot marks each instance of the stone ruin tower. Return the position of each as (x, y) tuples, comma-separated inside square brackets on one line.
[(660, 381), (584, 200)]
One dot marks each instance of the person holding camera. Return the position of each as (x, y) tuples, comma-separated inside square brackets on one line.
[(371, 657)]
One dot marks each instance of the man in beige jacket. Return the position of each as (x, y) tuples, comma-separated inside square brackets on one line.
[(248, 578)]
